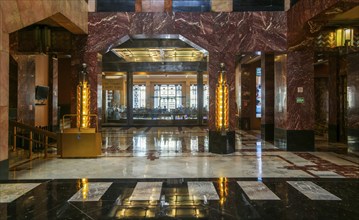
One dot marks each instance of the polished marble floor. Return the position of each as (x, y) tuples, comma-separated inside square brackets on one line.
[(164, 173), (221, 198)]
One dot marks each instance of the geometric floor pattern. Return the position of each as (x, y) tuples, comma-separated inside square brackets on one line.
[(168, 173), (54, 199)]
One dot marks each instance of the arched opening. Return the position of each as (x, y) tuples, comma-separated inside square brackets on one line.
[(155, 80)]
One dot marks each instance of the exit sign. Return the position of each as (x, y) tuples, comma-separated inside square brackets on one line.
[(300, 100)]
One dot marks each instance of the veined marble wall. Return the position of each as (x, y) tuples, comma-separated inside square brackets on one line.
[(15, 15), (223, 35), (280, 91), (353, 101), (26, 89), (321, 106)]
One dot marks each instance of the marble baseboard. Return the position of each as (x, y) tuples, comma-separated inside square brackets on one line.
[(4, 169), (294, 140), (222, 144), (267, 132)]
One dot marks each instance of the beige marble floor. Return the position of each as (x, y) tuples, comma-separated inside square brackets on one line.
[(183, 153)]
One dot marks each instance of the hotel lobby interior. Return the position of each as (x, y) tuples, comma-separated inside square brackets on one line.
[(179, 109)]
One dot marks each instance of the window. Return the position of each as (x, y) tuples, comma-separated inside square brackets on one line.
[(168, 96), (205, 97), (139, 96), (193, 96), (191, 5), (259, 5), (115, 5)]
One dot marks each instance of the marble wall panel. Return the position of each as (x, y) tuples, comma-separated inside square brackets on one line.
[(353, 91), (246, 91), (168, 5), (280, 91), (153, 5), (4, 41), (222, 5), (222, 34), (267, 83), (138, 6), (11, 19), (4, 78), (163, 23), (55, 91), (31, 11), (333, 89), (26, 89), (4, 131), (21, 13), (321, 105), (300, 74), (106, 30)]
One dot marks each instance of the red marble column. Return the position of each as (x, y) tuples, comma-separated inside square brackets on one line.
[(246, 101), (353, 102), (267, 84), (94, 69), (294, 101), (333, 129), (219, 143)]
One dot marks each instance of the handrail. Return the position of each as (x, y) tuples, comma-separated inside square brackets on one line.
[(32, 130), (75, 115)]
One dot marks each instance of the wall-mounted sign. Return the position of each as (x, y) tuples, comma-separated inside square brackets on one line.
[(300, 89), (300, 100)]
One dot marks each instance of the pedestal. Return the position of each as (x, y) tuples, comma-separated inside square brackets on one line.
[(221, 144), (73, 143)]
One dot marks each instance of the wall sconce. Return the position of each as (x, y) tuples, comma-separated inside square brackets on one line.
[(344, 37), (83, 99), (222, 102)]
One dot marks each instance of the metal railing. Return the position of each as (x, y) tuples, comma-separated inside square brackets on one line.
[(33, 135)]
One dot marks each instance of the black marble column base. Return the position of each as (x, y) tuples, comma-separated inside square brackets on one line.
[(353, 140), (222, 144), (4, 169), (294, 140), (333, 133), (267, 132)]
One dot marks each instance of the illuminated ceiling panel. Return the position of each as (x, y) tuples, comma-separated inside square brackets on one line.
[(159, 54)]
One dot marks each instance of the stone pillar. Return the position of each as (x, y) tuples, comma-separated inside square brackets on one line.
[(26, 89), (267, 83), (200, 97), (129, 93), (149, 94), (218, 142), (53, 95), (4, 101), (353, 102), (294, 101), (333, 126), (94, 69), (245, 84)]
